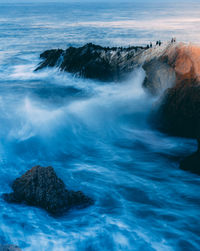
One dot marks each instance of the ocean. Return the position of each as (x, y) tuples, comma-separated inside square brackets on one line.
[(96, 135)]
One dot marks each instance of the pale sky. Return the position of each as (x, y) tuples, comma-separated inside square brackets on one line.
[(56, 1)]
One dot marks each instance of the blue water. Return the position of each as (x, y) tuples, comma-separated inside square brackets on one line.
[(96, 135)]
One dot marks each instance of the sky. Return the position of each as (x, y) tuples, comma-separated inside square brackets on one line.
[(28, 1)]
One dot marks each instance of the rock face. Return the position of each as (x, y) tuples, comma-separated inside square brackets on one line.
[(9, 248), (173, 74), (41, 187), (179, 110), (185, 59), (179, 113), (159, 76), (93, 61)]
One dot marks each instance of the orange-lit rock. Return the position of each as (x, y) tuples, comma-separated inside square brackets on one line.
[(161, 64), (180, 106), (185, 60), (179, 110)]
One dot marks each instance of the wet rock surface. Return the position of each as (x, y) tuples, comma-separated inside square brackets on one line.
[(179, 115), (93, 61), (9, 248), (41, 187), (176, 71), (159, 76), (191, 163), (179, 112)]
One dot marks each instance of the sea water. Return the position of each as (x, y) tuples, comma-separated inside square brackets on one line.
[(96, 135)]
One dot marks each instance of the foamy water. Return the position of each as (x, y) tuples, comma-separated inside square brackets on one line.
[(96, 135)]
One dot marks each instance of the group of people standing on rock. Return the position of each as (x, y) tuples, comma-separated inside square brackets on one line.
[(158, 42), (173, 40), (151, 45)]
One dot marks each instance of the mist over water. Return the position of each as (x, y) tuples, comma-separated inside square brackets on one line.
[(96, 135)]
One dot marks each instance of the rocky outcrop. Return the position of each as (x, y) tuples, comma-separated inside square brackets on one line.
[(178, 112), (185, 60), (179, 115), (9, 248), (172, 74), (164, 65), (93, 61), (41, 187)]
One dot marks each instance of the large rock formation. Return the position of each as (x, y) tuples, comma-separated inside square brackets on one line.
[(172, 73), (165, 65), (180, 105), (41, 187), (9, 248), (179, 110), (93, 61)]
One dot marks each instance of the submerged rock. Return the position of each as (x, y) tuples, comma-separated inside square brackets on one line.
[(9, 248), (93, 61), (41, 187)]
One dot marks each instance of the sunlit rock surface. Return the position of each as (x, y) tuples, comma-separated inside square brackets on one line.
[(41, 187), (180, 105), (179, 110), (169, 65)]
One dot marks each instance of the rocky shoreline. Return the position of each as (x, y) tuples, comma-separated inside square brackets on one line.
[(172, 74)]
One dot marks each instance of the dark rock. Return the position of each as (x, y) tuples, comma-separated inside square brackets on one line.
[(191, 163), (179, 112), (93, 61), (51, 57), (9, 248), (179, 115), (41, 187)]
